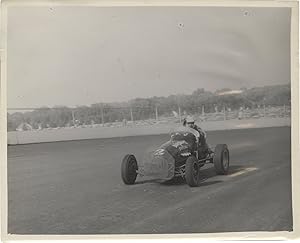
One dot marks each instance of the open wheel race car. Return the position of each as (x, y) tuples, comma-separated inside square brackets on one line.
[(182, 156)]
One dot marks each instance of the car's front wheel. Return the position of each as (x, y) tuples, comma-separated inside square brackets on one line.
[(192, 170), (129, 169)]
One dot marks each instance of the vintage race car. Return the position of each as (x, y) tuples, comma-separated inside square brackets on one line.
[(183, 155)]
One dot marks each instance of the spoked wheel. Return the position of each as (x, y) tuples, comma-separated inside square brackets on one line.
[(221, 159), (192, 170), (129, 169)]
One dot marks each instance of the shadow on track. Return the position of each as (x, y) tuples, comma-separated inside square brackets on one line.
[(210, 172), (205, 174), (147, 181)]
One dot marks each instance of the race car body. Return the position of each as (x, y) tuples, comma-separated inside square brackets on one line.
[(180, 156)]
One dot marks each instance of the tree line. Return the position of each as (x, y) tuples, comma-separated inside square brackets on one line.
[(147, 108)]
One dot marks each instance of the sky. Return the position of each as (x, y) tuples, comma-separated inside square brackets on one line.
[(83, 55)]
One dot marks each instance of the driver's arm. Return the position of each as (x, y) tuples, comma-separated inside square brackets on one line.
[(201, 131)]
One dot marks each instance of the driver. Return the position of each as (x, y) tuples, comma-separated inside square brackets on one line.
[(190, 122)]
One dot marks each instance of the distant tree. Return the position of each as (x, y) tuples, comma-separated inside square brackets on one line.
[(144, 108)]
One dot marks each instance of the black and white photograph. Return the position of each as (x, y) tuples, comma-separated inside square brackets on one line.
[(148, 120)]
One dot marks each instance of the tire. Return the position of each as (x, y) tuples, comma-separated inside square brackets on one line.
[(192, 171), (221, 159), (128, 169)]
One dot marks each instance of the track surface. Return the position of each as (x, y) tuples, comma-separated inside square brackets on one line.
[(75, 188)]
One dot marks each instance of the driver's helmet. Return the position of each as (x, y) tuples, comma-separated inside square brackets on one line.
[(190, 120)]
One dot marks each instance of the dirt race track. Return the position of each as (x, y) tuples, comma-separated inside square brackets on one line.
[(75, 187)]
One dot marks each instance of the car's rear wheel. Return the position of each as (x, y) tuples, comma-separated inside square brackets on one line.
[(221, 159), (129, 169), (192, 169)]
